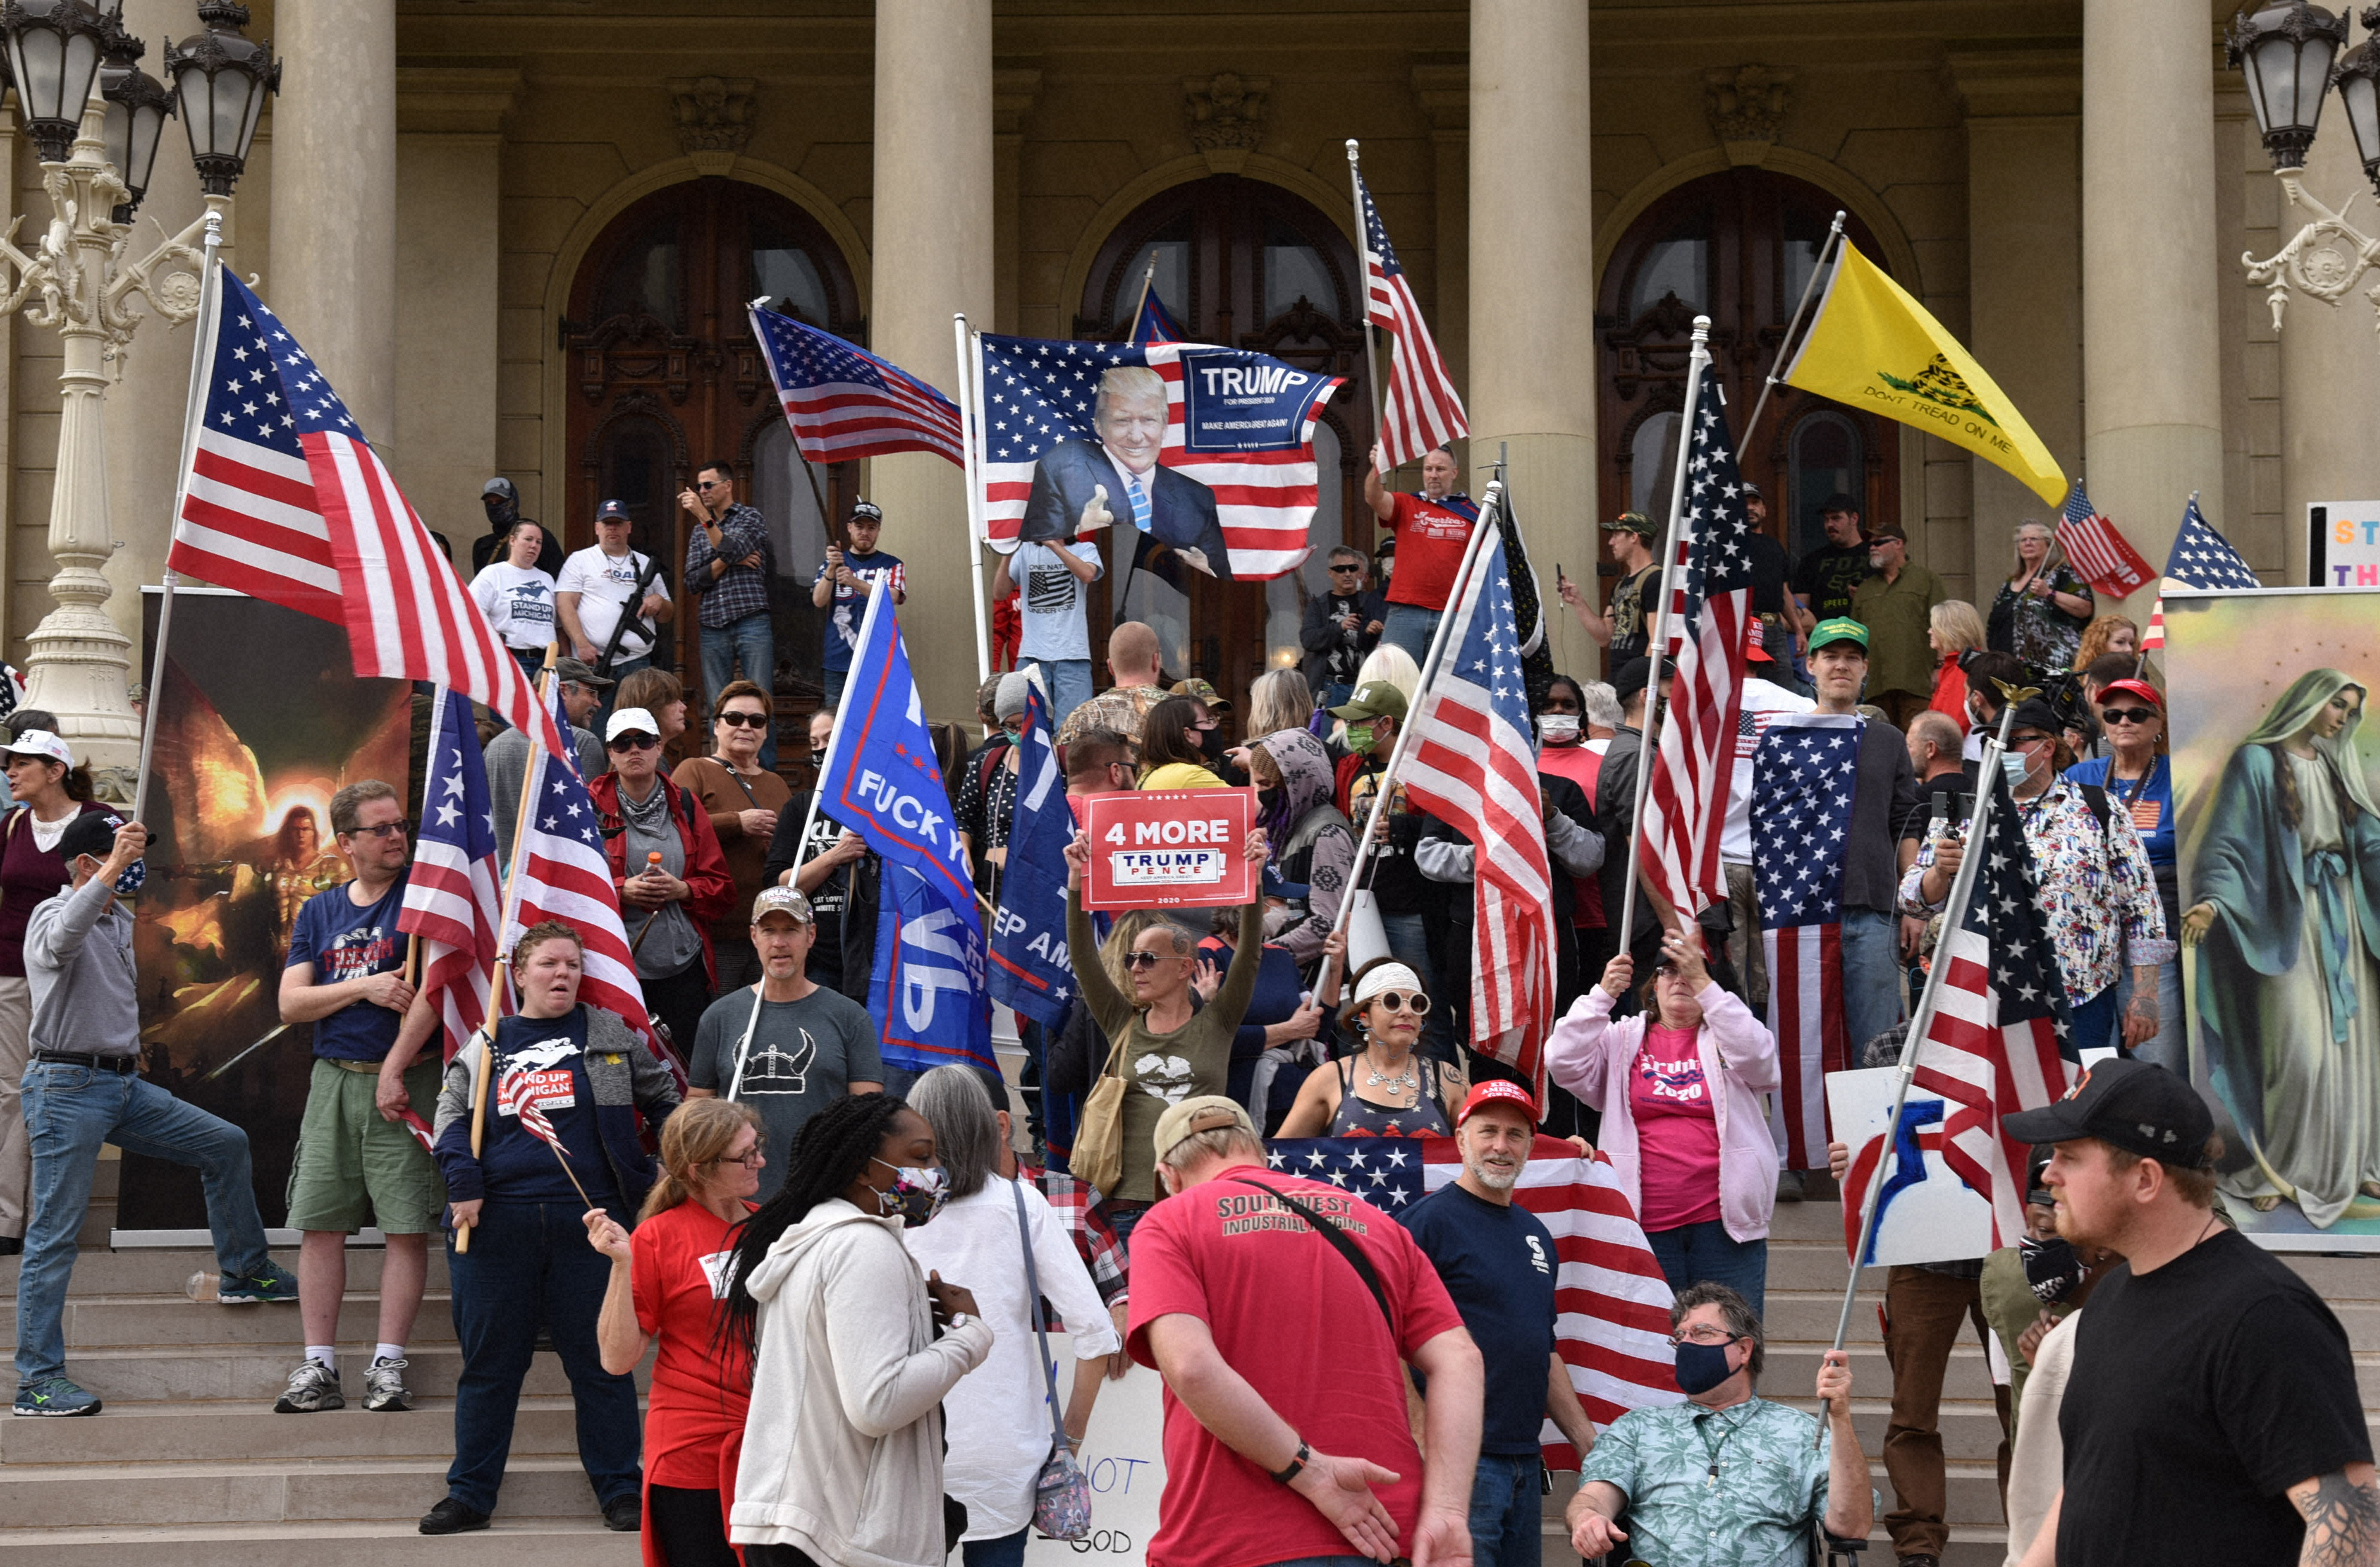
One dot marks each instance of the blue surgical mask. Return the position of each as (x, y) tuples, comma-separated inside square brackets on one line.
[(1701, 1367), (2013, 768)]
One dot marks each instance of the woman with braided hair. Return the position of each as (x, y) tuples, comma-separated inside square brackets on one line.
[(852, 1348)]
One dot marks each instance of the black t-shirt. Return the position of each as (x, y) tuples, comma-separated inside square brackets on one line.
[(1633, 605), (1884, 811), (2200, 1394), (1768, 574), (1827, 576)]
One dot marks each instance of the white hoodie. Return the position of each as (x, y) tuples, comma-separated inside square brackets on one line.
[(843, 1450)]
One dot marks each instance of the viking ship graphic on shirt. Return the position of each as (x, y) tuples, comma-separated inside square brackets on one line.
[(772, 1069)]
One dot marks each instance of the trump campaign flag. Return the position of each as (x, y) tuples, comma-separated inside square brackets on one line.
[(453, 896), (1805, 775), (1203, 457), (881, 780), (1153, 322), (1029, 971)]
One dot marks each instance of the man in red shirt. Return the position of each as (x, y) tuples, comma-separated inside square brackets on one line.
[(1433, 528), (1234, 1284)]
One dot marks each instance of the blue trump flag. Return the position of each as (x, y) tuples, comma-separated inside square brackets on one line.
[(881, 780), (1029, 970)]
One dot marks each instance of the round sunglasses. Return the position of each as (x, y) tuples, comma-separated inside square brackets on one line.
[(1401, 1001)]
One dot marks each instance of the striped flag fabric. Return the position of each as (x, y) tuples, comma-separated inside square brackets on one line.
[(452, 898), (1419, 408), (1154, 323), (2202, 559), (843, 403), (1710, 603), (516, 1096), (2000, 1042), (286, 502), (1611, 1304), (2100, 552), (1803, 776), (1472, 763)]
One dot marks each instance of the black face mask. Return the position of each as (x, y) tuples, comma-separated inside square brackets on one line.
[(818, 756), (1268, 801), (502, 511), (2052, 1267)]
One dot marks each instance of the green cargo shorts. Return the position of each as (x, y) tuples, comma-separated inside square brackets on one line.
[(353, 1167)]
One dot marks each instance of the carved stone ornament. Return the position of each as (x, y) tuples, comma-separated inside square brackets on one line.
[(714, 119), (1747, 108), (1226, 113)]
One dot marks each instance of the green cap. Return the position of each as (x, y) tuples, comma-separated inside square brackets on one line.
[(1840, 629), (1373, 699), (1631, 522)]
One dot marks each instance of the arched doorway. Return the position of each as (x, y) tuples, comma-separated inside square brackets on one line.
[(1738, 247), (665, 377), (1249, 265)]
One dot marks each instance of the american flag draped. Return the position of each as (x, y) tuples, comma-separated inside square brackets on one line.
[(1612, 1306), (451, 897), (1473, 764), (2202, 559), (1710, 599), (2101, 553), (1999, 1040), (1419, 409), (1803, 777), (843, 403), (286, 502)]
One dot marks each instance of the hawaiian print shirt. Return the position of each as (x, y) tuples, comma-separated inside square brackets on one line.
[(1757, 1510)]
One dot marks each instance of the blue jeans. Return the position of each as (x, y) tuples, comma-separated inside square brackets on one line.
[(1692, 1253), (2097, 1025), (529, 1263), (1410, 626), (1409, 944), (621, 669), (1067, 682), (834, 680), (747, 641), (1006, 1551), (1506, 1511), (69, 1110), (1871, 976)]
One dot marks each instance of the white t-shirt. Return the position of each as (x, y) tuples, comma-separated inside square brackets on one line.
[(1761, 698), (1051, 600), (602, 585), (518, 602)]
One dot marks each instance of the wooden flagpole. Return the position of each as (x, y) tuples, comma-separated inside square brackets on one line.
[(1148, 280)]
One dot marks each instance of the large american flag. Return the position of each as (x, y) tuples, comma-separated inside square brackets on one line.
[(1419, 409), (2202, 559), (1999, 1040), (1611, 1304), (286, 502), (2098, 551), (1473, 764), (1710, 599), (843, 403), (454, 897), (1803, 776)]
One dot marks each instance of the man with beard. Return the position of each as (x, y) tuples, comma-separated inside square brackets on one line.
[(502, 504), (1497, 1262)]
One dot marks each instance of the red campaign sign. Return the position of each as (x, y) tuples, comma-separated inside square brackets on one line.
[(1169, 848)]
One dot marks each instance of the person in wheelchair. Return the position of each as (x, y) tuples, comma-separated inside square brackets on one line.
[(1727, 1478)]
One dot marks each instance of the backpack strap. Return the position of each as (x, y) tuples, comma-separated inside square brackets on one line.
[(2097, 798)]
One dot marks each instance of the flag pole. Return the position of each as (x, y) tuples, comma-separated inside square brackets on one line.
[(968, 421), (1649, 749), (1371, 363), (826, 522), (210, 283), (1963, 887), (1810, 286), (1140, 305), (834, 741)]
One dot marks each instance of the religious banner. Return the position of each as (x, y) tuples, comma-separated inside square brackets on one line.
[(251, 744), (1169, 848)]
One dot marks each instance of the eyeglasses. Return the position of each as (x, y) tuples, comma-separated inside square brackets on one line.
[(1145, 960), (1400, 1001), (384, 829), (1558, 704), (2027, 742), (632, 743), (1704, 1333), (745, 719), (2127, 715), (749, 1160)]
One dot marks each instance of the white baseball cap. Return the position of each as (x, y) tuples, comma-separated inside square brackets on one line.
[(630, 720), (40, 742)]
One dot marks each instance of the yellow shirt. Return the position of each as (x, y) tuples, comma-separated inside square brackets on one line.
[(1180, 775)]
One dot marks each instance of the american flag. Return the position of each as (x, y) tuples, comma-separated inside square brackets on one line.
[(1528, 607), (1611, 1304), (1419, 409), (1685, 800), (2202, 559), (2098, 551), (1803, 779), (286, 502), (843, 403), (516, 1096), (453, 898), (1154, 323), (2000, 1042), (1473, 764)]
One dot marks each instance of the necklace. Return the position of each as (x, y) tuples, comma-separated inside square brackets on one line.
[(1376, 1078), (1734, 1425)]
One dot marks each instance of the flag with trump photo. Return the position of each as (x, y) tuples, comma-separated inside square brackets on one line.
[(453, 898), (1202, 456)]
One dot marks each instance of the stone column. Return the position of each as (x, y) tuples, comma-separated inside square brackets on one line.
[(2330, 366), (335, 184), (1014, 87), (1532, 339), (1444, 93), (932, 250), (2153, 414)]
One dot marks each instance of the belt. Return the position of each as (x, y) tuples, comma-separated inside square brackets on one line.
[(126, 1064)]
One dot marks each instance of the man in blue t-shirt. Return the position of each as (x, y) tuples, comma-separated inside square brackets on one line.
[(1497, 1263), (346, 974)]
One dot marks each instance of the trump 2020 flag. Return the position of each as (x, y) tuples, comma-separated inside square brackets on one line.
[(1029, 971), (1804, 776), (1203, 457), (881, 780), (451, 897)]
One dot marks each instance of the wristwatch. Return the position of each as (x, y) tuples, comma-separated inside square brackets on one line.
[(1297, 1464), (958, 1319)]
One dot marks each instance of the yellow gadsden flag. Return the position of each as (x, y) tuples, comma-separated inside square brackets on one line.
[(1873, 346)]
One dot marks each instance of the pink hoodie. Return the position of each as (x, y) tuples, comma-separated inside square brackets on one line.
[(1592, 1056)]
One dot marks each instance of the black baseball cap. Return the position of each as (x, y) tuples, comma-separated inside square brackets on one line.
[(612, 511), (93, 832), (1630, 677), (2130, 1104)]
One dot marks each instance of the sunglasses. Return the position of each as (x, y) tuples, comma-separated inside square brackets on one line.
[(1400, 1001), (385, 830), (1146, 960), (708, 484), (1343, 570), (2127, 715), (745, 719), (633, 743)]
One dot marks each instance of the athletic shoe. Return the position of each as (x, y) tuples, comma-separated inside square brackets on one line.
[(452, 1517), (384, 1389), (312, 1387), (270, 1286), (55, 1396), (625, 1514)]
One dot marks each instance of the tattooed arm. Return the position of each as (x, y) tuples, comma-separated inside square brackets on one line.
[(2343, 1518)]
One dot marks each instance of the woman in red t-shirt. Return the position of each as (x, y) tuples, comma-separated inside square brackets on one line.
[(666, 1283)]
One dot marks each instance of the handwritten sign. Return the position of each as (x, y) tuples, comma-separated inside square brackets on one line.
[(1124, 1458), (2343, 543), (1169, 848)]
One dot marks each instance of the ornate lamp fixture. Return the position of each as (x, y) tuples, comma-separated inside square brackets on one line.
[(222, 78)]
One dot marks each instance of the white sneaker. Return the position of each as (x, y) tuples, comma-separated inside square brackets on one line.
[(312, 1387), (384, 1389)]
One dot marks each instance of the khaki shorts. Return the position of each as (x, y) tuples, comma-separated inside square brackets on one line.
[(353, 1166)]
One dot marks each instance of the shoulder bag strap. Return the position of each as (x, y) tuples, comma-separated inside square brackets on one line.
[(744, 1046), (1339, 1242), (1033, 1304)]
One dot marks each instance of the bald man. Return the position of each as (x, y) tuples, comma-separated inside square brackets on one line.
[(1163, 519), (1133, 664)]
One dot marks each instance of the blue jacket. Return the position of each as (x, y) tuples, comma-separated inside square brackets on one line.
[(631, 1091)]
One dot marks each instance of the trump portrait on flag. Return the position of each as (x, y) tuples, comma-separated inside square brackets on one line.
[(1080, 486)]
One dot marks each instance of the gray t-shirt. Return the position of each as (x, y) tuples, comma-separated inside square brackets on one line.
[(804, 1055)]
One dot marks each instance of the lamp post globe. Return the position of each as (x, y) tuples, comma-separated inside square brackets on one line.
[(2357, 77), (138, 107), (54, 49), (222, 78)]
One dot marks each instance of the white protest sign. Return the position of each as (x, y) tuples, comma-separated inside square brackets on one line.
[(1124, 1457), (1927, 1214), (2343, 543)]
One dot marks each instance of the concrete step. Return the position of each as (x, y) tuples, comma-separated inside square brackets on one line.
[(163, 1271), (172, 1433), (177, 1322), (64, 1496), (519, 1541), (256, 1375)]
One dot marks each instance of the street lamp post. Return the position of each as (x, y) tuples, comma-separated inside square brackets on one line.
[(97, 119), (2289, 53)]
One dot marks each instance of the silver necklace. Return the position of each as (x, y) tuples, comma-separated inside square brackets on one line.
[(1376, 1078)]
